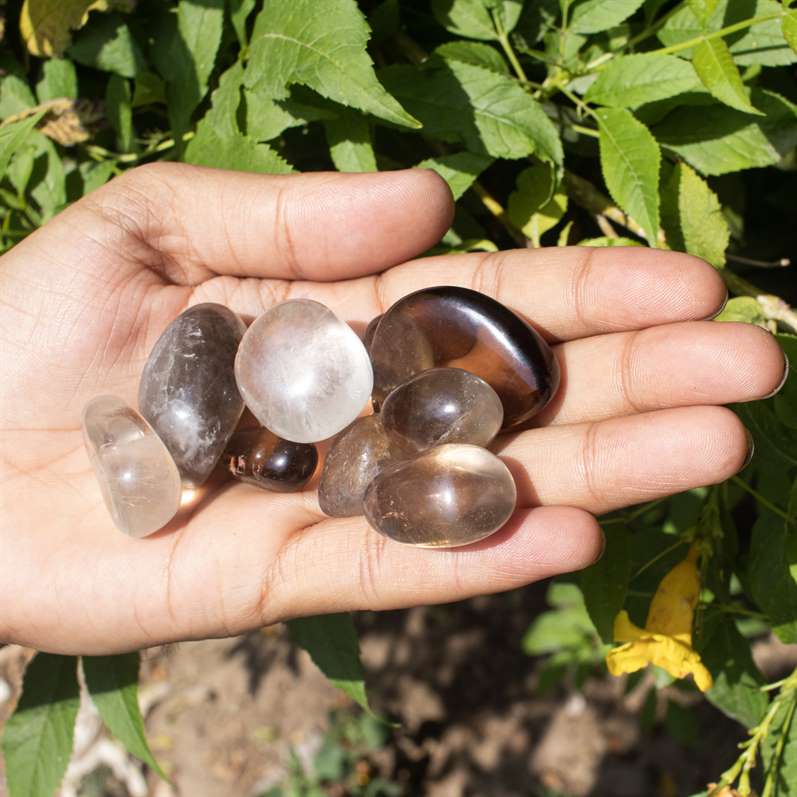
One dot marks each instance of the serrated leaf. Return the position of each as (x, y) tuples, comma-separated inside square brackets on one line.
[(332, 642), (237, 152), (631, 80), (239, 14), (38, 737), (349, 140), (789, 28), (222, 116), (703, 9), (58, 79), (475, 53), (490, 113), (13, 136), (762, 43), (593, 16), (107, 44), (692, 216), (118, 105), (112, 682), (472, 18), (322, 45), (717, 140), (714, 65), (630, 160), (460, 170), (267, 118), (737, 681), (535, 206), (779, 751), (45, 25)]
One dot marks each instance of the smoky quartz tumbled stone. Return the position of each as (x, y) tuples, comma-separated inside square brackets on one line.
[(461, 328), (443, 405), (303, 372), (259, 457), (188, 392), (138, 478), (446, 496)]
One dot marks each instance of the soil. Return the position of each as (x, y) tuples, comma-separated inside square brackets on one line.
[(225, 717)]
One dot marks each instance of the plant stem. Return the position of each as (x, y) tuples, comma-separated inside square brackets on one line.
[(770, 784), (506, 45), (497, 210), (586, 131), (765, 502)]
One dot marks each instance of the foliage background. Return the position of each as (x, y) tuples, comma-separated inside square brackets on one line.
[(605, 122)]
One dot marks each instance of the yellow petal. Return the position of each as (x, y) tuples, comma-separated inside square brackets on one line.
[(624, 630), (672, 608)]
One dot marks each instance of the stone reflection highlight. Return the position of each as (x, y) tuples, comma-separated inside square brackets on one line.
[(443, 405), (259, 457), (447, 496), (138, 478)]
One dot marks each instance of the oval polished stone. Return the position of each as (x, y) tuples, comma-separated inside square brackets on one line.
[(357, 456), (259, 457), (447, 496), (461, 328), (139, 481), (303, 372), (443, 405), (188, 392)]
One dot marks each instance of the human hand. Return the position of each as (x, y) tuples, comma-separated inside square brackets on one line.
[(83, 300)]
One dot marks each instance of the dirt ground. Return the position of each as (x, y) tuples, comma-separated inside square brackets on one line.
[(225, 717)]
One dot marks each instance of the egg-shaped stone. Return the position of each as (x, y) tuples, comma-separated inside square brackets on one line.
[(443, 405), (446, 496), (461, 328), (259, 457), (138, 478), (303, 372), (188, 392), (357, 456)]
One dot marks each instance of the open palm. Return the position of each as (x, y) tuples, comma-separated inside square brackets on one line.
[(83, 300)]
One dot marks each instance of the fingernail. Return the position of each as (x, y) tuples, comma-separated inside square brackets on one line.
[(603, 547), (722, 307), (750, 449), (783, 381)]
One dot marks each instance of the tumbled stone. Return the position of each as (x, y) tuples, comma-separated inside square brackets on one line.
[(447, 496), (369, 331), (259, 457), (357, 456), (461, 328), (138, 478), (443, 405), (188, 392), (303, 372)]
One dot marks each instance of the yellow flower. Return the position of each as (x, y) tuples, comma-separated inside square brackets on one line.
[(666, 639)]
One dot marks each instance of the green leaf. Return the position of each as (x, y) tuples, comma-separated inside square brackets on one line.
[(239, 14), (714, 65), (490, 113), (631, 80), (106, 43), (593, 16), (630, 160), (475, 53), (95, 174), (267, 118), (535, 206), (47, 185), (692, 217), (331, 640), (112, 682), (320, 43), (737, 681), (779, 751), (119, 110), (606, 241), (13, 136), (460, 170), (350, 145), (59, 79), (716, 140), (222, 116), (237, 152), (566, 625), (743, 309), (762, 43), (471, 18), (15, 96), (149, 89), (605, 584), (789, 27), (703, 9), (37, 741)]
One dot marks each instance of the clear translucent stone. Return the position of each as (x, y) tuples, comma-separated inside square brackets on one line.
[(303, 372), (447, 496), (138, 478)]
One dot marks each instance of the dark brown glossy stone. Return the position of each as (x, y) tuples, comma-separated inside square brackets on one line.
[(357, 456), (259, 457), (460, 328), (369, 331), (447, 496), (443, 405)]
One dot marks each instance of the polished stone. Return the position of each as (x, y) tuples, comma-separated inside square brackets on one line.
[(357, 456), (303, 372), (443, 405), (369, 331), (461, 328), (447, 496), (259, 457), (138, 478), (188, 392)]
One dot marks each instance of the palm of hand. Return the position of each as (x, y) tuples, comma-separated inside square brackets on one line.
[(83, 300)]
